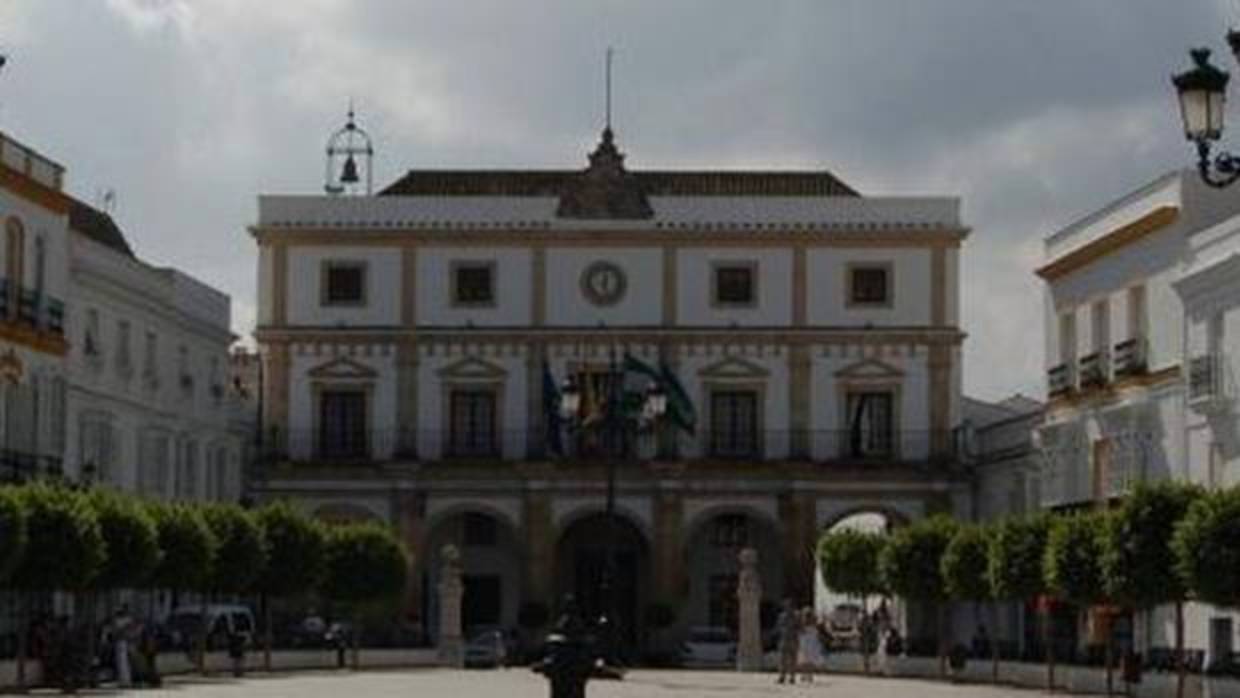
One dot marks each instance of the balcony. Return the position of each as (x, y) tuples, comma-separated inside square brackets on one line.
[(861, 447), (29, 310), (1095, 371), (1060, 380), (18, 466), (1130, 358), (1207, 385)]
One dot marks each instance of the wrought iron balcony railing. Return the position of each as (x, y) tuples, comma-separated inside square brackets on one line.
[(860, 446), (1060, 380), (1095, 370), (1205, 378), (18, 466), (28, 307), (1130, 357)]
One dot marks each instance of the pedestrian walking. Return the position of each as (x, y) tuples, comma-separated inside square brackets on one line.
[(122, 629), (236, 650), (809, 646), (788, 625)]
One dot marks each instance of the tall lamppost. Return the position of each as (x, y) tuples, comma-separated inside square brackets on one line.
[(617, 429), (1202, 92)]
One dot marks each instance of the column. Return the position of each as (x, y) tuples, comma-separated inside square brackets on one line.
[(670, 581), (412, 511), (540, 543), (796, 518)]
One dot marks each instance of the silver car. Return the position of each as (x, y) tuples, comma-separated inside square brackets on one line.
[(487, 650)]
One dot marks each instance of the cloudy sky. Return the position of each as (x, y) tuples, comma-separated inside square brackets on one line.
[(1034, 113)]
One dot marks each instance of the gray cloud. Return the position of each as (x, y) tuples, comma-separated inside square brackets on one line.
[(1034, 113)]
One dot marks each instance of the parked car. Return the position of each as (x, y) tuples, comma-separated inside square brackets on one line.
[(487, 649), (708, 646), (185, 622)]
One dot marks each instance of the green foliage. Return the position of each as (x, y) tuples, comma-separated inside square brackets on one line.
[(66, 548), (131, 538), (1138, 565), (849, 561), (241, 548), (1207, 548), (296, 545), (1073, 560), (910, 562), (364, 563), (13, 530), (187, 544), (1017, 548), (965, 565)]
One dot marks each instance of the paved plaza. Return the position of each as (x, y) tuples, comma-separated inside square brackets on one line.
[(522, 683)]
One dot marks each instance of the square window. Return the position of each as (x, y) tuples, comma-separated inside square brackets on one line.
[(344, 283), (473, 284), (870, 285), (734, 284)]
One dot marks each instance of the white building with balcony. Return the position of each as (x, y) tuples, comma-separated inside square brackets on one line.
[(413, 342), (152, 408), (1134, 336)]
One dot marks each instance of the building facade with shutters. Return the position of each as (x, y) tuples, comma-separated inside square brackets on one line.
[(34, 286), (1135, 316), (152, 405), (414, 343)]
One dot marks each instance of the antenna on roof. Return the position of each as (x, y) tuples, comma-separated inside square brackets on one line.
[(610, 53), (107, 201)]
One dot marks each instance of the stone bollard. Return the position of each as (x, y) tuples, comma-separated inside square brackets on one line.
[(451, 646), (749, 599)]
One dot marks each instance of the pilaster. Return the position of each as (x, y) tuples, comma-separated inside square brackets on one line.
[(276, 394), (940, 367), (800, 293), (670, 582), (670, 281), (796, 518), (540, 540), (407, 399), (938, 286), (279, 284), (799, 400)]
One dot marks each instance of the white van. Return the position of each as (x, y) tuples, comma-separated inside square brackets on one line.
[(185, 622)]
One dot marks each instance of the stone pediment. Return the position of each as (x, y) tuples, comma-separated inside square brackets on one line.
[(342, 368), (472, 368), (733, 368), (605, 190), (869, 369)]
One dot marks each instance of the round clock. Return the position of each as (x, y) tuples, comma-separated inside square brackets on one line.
[(603, 283)]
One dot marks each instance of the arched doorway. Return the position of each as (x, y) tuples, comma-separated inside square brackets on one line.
[(840, 608), (491, 564), (581, 564), (712, 567)]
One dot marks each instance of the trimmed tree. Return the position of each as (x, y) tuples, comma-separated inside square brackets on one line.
[(1138, 564), (1017, 549), (966, 574), (848, 560), (66, 548), (187, 546), (132, 541), (365, 565), (1072, 565), (14, 533), (910, 565), (1207, 548), (240, 558), (296, 546)]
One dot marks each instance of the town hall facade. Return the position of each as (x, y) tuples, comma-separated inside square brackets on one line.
[(413, 343)]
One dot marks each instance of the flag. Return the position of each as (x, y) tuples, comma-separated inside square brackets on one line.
[(551, 412), (679, 406)]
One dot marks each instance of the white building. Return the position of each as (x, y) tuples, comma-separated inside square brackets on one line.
[(1121, 345), (151, 403), (34, 283), (408, 336)]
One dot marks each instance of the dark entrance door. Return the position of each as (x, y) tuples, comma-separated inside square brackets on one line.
[(583, 563), (481, 603)]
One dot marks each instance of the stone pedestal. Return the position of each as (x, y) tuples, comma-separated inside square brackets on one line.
[(749, 600), (451, 589)]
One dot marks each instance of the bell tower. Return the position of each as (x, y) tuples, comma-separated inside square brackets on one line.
[(342, 173)]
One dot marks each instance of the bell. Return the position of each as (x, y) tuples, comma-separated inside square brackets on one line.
[(348, 174)]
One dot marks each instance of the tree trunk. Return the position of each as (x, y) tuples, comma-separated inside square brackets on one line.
[(994, 642), (267, 633), (941, 631), (1107, 651), (357, 640), (865, 646), (204, 636), (1048, 636), (23, 631), (1181, 667)]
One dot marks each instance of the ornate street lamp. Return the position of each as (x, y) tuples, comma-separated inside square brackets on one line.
[(618, 429), (1202, 92)]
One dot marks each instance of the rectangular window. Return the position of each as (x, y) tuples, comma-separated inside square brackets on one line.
[(473, 283), (342, 424), (735, 284), (869, 284), (122, 345), (871, 425), (344, 283), (731, 531), (734, 423), (1101, 317), (90, 342), (150, 358), (1067, 337), (472, 423), (187, 481), (1136, 312)]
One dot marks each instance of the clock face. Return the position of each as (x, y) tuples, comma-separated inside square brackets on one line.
[(603, 283)]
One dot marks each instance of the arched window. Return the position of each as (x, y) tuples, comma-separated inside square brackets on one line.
[(14, 257)]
